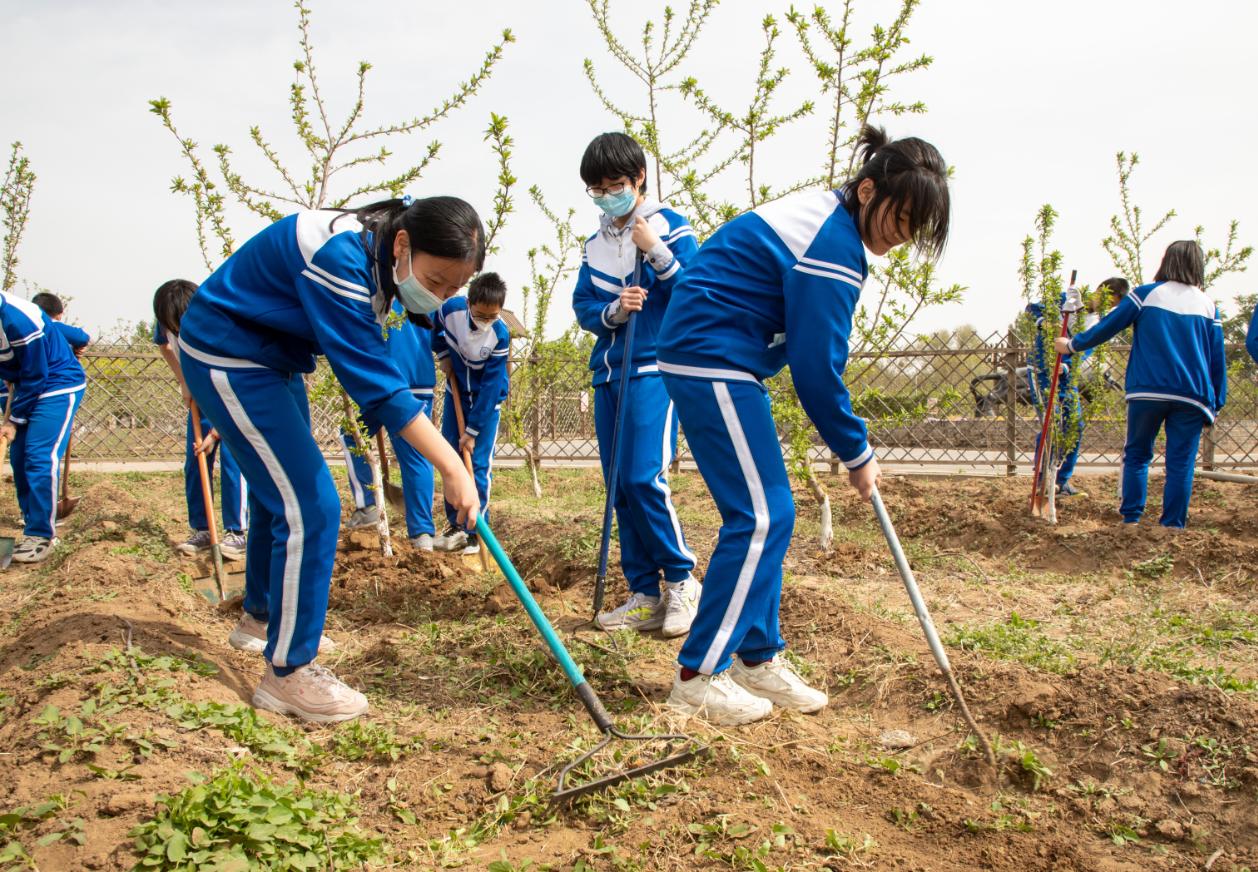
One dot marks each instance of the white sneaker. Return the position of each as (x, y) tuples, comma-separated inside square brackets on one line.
[(360, 518), (233, 546), (471, 545), (250, 635), (450, 540), (717, 699), (310, 692), (422, 542), (777, 681), (197, 542), (34, 549), (639, 612), (681, 602)]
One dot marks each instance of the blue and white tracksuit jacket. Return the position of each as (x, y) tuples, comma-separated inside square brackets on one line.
[(410, 348), (775, 286), (478, 359), (48, 385), (76, 337), (301, 287), (235, 490), (651, 539), (1069, 408), (1251, 338), (1176, 377)]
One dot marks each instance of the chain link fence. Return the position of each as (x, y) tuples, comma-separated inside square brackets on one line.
[(958, 401)]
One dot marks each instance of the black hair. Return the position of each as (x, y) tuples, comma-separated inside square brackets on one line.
[(444, 227), (1117, 286), (1184, 262), (488, 289), (612, 155), (49, 302), (908, 174), (170, 301)]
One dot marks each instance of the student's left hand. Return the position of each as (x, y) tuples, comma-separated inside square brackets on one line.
[(208, 443), (467, 443), (8, 431), (1062, 345), (643, 236)]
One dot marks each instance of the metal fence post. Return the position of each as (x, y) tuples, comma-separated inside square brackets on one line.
[(1011, 406)]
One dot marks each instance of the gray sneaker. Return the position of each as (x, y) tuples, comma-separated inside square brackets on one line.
[(360, 518), (639, 612), (33, 549), (450, 540), (422, 542), (199, 541), (233, 546)]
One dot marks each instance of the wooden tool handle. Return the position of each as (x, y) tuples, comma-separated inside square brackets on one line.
[(204, 468)]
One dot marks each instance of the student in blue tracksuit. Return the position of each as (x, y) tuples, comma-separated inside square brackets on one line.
[(317, 282), (410, 348), (636, 234), (1176, 377), (47, 388), (77, 338), (473, 346), (1251, 338), (774, 287), (170, 301), (1069, 405)]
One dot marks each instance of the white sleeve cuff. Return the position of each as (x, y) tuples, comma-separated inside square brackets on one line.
[(860, 459), (613, 315), (471, 431), (660, 255)]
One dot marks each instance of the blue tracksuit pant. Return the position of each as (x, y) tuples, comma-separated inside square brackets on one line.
[(35, 456), (731, 433), (417, 479), (264, 419), (651, 540), (482, 455), (235, 491), (1183, 422)]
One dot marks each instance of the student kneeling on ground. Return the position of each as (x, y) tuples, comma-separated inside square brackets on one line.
[(47, 388), (317, 282), (1176, 377), (778, 286), (636, 235), (170, 301), (473, 345)]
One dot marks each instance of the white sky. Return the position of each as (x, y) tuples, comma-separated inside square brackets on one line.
[(1029, 101)]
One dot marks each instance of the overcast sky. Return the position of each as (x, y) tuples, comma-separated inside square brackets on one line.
[(1029, 101)]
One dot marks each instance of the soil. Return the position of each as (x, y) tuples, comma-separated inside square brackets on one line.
[(1116, 670)]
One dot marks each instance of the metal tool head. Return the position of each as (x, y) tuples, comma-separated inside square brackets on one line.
[(65, 507), (6, 551), (565, 793)]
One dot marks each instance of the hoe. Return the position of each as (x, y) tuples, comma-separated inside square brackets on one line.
[(681, 747)]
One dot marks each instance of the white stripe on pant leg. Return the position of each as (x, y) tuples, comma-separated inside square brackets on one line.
[(661, 482), (56, 463), (760, 506), (293, 548), (244, 500), (355, 486)]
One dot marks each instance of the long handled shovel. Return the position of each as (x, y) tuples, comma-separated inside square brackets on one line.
[(613, 474), (222, 589), (453, 383), (923, 618), (564, 792), (1042, 451), (392, 492), (6, 542), (65, 505)]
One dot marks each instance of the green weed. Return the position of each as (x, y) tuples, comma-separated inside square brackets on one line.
[(1016, 638)]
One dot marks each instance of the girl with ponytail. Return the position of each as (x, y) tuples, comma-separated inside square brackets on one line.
[(317, 282), (778, 286)]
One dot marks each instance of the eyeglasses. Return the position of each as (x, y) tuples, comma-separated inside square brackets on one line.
[(612, 191)]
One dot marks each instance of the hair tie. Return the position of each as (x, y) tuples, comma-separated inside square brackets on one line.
[(407, 199)]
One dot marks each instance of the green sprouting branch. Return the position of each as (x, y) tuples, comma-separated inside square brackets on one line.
[(1125, 244), (1229, 259), (15, 203), (503, 202)]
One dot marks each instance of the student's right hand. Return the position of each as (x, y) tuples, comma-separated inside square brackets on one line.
[(632, 299), (460, 492), (866, 478), (8, 431)]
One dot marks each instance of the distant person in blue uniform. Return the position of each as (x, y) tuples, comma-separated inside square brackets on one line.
[(473, 345), (636, 234), (1176, 377), (1251, 338), (410, 347), (318, 282), (778, 286), (170, 301), (77, 337), (47, 387)]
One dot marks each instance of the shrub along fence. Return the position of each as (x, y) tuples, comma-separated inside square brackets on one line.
[(955, 401)]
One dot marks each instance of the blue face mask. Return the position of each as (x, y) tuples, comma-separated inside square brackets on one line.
[(414, 296), (618, 205)]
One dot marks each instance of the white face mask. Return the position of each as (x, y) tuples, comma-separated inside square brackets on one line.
[(482, 324), (414, 296)]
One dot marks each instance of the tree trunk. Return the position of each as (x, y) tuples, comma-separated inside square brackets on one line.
[(377, 481), (827, 517)]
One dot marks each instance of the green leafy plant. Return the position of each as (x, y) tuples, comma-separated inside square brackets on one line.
[(15, 210), (1015, 638)]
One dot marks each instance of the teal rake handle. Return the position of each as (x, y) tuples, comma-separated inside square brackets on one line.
[(586, 693)]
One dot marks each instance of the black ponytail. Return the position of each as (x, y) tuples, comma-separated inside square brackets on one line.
[(908, 175), (444, 227)]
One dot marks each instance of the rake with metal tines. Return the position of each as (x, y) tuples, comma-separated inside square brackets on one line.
[(563, 792)]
